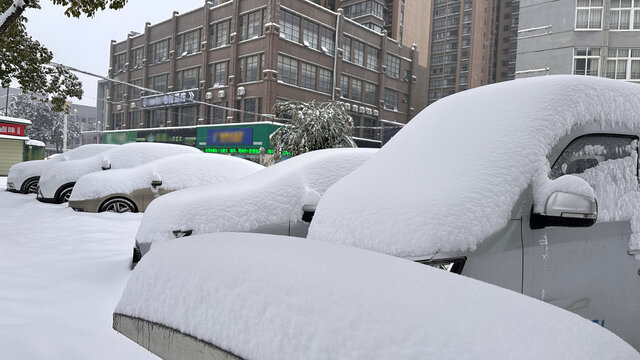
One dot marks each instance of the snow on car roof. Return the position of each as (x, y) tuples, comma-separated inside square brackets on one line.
[(176, 172), (120, 157), (451, 177), (274, 297), (21, 171), (272, 196)]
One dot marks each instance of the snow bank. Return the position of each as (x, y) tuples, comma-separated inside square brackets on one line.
[(20, 172), (120, 157), (451, 177), (274, 297), (272, 196), (175, 172)]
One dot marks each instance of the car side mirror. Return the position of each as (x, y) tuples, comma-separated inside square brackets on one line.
[(156, 183), (106, 165), (566, 209), (307, 212)]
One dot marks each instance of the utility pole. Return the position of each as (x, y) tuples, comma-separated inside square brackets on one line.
[(64, 127), (6, 105)]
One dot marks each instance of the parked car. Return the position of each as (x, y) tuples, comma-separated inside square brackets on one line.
[(530, 184), (277, 200), (57, 180), (258, 296), (23, 177), (131, 190)]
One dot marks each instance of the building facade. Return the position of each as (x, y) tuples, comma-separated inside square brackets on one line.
[(581, 37), (231, 61), (472, 43)]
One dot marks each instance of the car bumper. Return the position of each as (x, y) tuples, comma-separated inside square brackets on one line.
[(85, 205), (12, 188)]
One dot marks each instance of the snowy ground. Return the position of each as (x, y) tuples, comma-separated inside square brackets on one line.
[(61, 276)]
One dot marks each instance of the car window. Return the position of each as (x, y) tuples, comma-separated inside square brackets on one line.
[(588, 151), (610, 165)]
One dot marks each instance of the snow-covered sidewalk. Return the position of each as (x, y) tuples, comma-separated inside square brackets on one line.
[(61, 275)]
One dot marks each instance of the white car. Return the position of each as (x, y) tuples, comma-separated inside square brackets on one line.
[(279, 199), (530, 184), (131, 190), (258, 296), (57, 180), (23, 177)]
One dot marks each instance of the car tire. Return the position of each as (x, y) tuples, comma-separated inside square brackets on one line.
[(118, 205), (30, 186), (64, 195)]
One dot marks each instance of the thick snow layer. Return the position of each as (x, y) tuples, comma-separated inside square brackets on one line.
[(121, 157), (32, 142), (61, 275), (274, 297), (175, 172), (452, 176), (272, 196), (24, 170)]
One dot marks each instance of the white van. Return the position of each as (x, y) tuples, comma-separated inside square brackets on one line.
[(531, 185)]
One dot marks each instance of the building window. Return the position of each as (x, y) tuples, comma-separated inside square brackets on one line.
[(136, 57), (344, 86), (187, 79), (310, 34), (134, 91), (289, 26), (370, 93), (219, 72), (251, 109), (219, 113), (158, 83), (288, 70), (134, 119), (249, 68), (393, 66), (586, 61), (623, 64), (119, 92), (373, 58), (328, 41), (624, 15), (356, 90), (358, 53), (159, 51), (308, 76), (346, 45), (118, 62), (219, 34), (254, 27), (158, 117), (188, 115), (324, 80), (390, 99), (117, 121), (589, 14), (253, 68), (368, 7), (375, 27), (187, 43)]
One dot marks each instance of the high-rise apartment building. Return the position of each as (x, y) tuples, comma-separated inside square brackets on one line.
[(471, 42), (231, 61), (581, 37)]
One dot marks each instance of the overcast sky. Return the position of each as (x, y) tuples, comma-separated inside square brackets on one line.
[(84, 43)]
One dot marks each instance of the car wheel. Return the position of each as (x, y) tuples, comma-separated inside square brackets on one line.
[(30, 186), (118, 205), (65, 194)]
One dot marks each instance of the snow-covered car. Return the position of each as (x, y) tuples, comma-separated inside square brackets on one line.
[(277, 200), (131, 190), (530, 184), (57, 180), (258, 296), (23, 177)]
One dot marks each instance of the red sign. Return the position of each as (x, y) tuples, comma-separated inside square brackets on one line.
[(11, 129)]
